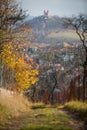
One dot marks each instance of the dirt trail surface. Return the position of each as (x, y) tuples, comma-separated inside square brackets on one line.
[(47, 116)]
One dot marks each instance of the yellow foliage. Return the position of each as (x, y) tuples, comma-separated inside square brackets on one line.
[(25, 74), (26, 78), (8, 56)]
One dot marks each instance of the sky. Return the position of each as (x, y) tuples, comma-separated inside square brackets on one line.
[(55, 7)]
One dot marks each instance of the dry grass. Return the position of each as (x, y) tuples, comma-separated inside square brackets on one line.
[(14, 102), (64, 34), (12, 105)]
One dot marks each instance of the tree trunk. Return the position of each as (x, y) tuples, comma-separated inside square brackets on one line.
[(72, 96), (33, 94), (84, 82), (84, 76), (2, 75), (52, 95)]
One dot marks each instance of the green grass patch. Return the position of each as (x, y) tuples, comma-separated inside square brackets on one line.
[(37, 106), (39, 127), (77, 108), (47, 119)]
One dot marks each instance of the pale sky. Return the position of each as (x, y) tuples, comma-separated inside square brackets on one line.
[(55, 7)]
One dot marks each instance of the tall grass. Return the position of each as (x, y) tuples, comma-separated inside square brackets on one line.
[(77, 108), (12, 105)]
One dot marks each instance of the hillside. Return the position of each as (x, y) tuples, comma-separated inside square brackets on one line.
[(46, 23), (43, 117), (12, 105), (51, 30)]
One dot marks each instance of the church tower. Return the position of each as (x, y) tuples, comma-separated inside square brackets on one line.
[(46, 13)]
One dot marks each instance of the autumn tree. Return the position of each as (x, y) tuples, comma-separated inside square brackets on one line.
[(13, 67), (79, 23), (10, 14), (16, 70)]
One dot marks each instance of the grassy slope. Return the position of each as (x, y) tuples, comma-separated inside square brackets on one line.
[(11, 106), (49, 118), (4, 115), (40, 117), (63, 35), (77, 108)]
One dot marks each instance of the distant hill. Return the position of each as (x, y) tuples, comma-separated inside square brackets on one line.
[(46, 23), (43, 28), (29, 17)]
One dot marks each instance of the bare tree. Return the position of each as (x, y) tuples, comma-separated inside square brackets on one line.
[(10, 15), (79, 23)]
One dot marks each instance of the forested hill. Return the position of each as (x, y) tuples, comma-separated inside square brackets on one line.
[(51, 29), (46, 23)]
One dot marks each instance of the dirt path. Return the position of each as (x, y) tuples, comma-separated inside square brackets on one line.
[(76, 124), (48, 116)]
